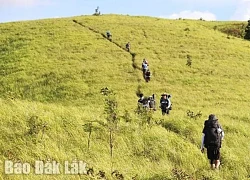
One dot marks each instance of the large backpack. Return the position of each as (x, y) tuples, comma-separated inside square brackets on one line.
[(164, 103), (212, 135)]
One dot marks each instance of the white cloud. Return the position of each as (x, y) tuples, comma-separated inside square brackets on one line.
[(192, 15), (242, 11), (23, 2)]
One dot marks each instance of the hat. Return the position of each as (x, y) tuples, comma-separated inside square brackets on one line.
[(212, 117), (164, 94)]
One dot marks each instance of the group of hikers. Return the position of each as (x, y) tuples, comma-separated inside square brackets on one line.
[(150, 103), (145, 69), (212, 133), (109, 37)]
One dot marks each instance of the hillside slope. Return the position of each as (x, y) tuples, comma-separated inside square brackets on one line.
[(52, 72)]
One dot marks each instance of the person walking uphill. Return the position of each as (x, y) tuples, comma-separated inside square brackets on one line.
[(143, 101), (212, 136), (109, 35), (128, 46), (165, 103), (144, 66)]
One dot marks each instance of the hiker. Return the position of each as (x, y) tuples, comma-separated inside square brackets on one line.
[(147, 75), (143, 101), (96, 12), (165, 103), (212, 136), (144, 66), (128, 46), (152, 104), (109, 35)]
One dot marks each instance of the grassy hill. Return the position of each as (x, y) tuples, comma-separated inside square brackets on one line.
[(52, 72)]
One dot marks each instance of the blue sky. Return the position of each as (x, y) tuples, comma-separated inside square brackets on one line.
[(15, 10)]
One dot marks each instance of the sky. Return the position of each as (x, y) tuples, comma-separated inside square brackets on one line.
[(221, 10)]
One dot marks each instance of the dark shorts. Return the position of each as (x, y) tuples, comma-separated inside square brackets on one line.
[(213, 153), (165, 111)]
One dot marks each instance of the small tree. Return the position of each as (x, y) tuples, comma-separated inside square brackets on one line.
[(127, 117), (88, 127), (111, 112), (92, 126), (247, 31)]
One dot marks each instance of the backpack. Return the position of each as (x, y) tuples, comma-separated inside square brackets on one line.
[(212, 135), (164, 103), (145, 102), (151, 102), (144, 66)]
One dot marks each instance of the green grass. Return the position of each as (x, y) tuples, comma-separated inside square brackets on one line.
[(52, 72)]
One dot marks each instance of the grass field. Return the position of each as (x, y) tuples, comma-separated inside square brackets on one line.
[(52, 72)]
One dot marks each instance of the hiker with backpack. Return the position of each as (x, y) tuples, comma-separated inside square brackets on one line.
[(128, 46), (144, 66), (152, 103), (212, 136), (143, 101), (96, 11), (109, 35), (165, 103)]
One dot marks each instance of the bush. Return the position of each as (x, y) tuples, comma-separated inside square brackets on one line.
[(236, 30)]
